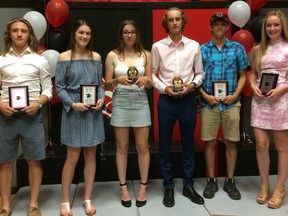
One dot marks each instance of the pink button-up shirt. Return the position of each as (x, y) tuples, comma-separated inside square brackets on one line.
[(170, 60)]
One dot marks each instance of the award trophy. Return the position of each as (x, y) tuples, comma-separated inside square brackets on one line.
[(177, 82), (132, 73)]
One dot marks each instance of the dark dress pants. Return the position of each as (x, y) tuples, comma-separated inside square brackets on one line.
[(184, 110)]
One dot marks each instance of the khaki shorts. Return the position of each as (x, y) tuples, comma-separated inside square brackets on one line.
[(229, 119)]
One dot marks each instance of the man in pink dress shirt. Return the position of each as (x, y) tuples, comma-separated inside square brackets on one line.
[(175, 58)]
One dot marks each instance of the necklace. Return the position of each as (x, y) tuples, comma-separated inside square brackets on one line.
[(84, 55)]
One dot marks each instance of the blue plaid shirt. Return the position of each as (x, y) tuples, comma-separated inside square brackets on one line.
[(223, 64)]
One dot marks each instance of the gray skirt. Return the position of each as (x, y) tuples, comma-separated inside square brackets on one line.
[(130, 108)]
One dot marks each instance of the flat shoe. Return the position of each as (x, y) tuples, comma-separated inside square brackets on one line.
[(90, 207), (68, 211)]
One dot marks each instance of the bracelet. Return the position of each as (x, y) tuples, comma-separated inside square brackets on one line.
[(148, 80), (112, 83)]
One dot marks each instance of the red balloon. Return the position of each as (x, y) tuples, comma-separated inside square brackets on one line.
[(256, 4), (245, 38), (57, 12), (41, 48), (247, 89)]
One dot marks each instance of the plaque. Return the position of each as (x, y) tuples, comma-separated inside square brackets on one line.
[(268, 82), (18, 97), (220, 89), (89, 94), (177, 84), (132, 73)]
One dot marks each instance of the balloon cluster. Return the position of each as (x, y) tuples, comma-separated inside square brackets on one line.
[(239, 14), (56, 12)]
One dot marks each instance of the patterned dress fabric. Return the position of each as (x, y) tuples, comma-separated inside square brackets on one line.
[(267, 113), (79, 129)]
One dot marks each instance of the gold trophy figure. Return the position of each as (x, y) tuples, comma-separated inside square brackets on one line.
[(177, 82), (132, 73)]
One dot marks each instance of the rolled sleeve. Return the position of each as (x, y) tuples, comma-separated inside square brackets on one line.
[(45, 80), (198, 69)]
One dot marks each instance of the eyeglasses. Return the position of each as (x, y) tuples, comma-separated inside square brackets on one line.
[(132, 33)]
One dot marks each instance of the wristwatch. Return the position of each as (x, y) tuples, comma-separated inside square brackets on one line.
[(39, 105)]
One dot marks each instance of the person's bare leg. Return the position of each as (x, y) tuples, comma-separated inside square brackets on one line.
[(209, 153), (67, 178), (263, 161), (231, 158), (35, 180), (122, 146), (281, 144), (6, 176), (142, 145), (89, 177)]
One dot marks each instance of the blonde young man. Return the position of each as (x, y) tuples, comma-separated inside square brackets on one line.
[(20, 65)]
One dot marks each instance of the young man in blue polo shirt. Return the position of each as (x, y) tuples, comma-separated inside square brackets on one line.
[(225, 64)]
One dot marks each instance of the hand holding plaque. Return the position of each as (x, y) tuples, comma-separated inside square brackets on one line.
[(268, 82), (132, 73), (220, 89), (89, 94), (177, 84)]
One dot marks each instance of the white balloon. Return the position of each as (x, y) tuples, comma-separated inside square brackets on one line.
[(52, 58), (239, 13), (38, 23)]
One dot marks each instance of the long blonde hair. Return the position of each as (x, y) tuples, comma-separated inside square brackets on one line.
[(262, 47), (32, 41)]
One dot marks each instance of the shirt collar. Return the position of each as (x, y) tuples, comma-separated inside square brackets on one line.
[(170, 42), (227, 43), (27, 51)]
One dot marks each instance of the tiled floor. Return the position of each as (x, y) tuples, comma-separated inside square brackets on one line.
[(106, 199)]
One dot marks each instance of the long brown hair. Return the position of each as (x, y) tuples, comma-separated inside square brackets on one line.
[(72, 45), (137, 46), (32, 41)]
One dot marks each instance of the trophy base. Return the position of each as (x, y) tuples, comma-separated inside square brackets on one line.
[(133, 79), (177, 89)]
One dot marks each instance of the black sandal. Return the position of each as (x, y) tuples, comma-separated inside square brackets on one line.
[(141, 203), (127, 203)]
